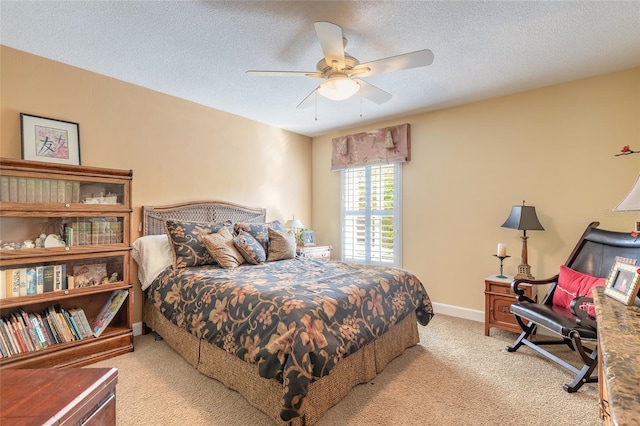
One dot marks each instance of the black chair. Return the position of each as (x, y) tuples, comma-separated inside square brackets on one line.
[(595, 254)]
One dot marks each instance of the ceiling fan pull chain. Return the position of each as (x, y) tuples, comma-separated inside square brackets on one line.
[(316, 97), (360, 101)]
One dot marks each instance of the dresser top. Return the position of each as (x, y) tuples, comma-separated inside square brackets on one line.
[(619, 339)]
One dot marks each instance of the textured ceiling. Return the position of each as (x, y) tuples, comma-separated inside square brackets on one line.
[(200, 50)]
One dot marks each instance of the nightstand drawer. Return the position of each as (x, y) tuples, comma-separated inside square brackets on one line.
[(314, 252)]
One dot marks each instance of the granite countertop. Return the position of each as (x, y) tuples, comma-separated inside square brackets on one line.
[(619, 337)]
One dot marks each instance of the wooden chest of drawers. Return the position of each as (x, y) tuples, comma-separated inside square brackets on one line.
[(65, 396), (498, 299)]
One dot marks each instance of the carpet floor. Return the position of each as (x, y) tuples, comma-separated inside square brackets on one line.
[(454, 376)]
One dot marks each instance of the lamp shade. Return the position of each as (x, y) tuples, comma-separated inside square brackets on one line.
[(632, 201), (523, 218), (293, 224)]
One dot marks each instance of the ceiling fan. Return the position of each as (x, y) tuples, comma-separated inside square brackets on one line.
[(340, 70)]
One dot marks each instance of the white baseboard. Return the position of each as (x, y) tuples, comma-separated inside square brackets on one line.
[(457, 311), (137, 328), (473, 315)]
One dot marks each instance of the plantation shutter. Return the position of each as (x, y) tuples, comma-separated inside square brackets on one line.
[(371, 214)]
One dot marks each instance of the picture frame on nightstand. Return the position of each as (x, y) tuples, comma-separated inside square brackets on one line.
[(308, 237)]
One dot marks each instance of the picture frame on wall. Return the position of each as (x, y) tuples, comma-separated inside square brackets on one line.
[(308, 237), (50, 140), (623, 283)]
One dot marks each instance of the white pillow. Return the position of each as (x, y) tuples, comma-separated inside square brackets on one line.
[(153, 255)]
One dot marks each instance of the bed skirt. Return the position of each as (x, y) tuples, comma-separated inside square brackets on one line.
[(266, 394)]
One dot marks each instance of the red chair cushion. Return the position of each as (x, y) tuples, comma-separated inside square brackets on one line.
[(572, 284)]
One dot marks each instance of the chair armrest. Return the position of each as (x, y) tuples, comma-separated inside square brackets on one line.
[(583, 317), (515, 287)]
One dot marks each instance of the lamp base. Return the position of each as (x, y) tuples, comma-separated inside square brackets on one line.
[(524, 272)]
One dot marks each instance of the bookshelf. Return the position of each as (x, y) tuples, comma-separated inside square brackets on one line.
[(65, 247)]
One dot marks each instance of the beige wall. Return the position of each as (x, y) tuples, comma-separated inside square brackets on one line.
[(553, 147), (177, 150)]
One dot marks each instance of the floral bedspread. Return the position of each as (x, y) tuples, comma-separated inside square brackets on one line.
[(294, 318)]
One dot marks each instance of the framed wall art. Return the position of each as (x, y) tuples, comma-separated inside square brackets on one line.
[(50, 140), (623, 283)]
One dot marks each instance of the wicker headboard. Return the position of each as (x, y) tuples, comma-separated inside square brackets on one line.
[(153, 217)]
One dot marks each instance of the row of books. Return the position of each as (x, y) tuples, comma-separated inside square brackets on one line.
[(33, 280), (23, 332), (94, 231), (36, 190)]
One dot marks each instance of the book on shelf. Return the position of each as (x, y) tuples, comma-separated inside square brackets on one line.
[(22, 189), (108, 311), (75, 195), (47, 278), (13, 282), (46, 190), (23, 281), (32, 281), (4, 188), (3, 285), (31, 190), (62, 192), (59, 273), (13, 189), (38, 190), (53, 191)]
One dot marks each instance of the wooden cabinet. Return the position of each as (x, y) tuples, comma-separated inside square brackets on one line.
[(498, 299), (314, 252), (33, 397), (84, 215)]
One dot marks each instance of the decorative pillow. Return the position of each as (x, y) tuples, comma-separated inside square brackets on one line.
[(572, 284), (250, 248), (220, 246), (153, 255), (185, 240), (259, 231), (282, 245)]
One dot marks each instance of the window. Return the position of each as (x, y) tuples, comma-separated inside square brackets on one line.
[(371, 213)]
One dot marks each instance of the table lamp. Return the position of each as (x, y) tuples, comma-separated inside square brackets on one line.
[(631, 201), (294, 225), (523, 218)]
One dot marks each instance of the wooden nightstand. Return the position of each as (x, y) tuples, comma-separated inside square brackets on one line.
[(498, 298), (314, 252)]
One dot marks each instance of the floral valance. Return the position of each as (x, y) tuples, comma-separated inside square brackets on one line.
[(388, 145)]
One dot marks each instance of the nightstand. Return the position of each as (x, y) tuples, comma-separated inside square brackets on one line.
[(498, 298), (314, 252)]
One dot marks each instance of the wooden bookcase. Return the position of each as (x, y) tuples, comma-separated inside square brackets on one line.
[(96, 204)]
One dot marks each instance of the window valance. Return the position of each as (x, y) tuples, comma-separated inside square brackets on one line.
[(387, 145)]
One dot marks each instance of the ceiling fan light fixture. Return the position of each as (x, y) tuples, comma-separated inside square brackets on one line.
[(338, 88)]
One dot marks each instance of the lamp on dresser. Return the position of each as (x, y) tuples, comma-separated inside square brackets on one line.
[(631, 202), (523, 218)]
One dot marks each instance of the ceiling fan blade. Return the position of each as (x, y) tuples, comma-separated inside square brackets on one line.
[(373, 93), (330, 37), (308, 101), (420, 58), (285, 73)]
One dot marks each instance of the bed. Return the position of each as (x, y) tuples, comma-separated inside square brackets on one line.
[(292, 335)]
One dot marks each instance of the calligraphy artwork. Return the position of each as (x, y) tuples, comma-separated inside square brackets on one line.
[(52, 143)]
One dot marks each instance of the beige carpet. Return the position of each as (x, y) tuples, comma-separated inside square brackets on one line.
[(455, 376)]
